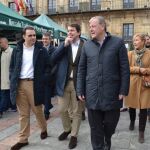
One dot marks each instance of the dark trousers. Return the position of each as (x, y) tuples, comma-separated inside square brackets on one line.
[(47, 104), (5, 102), (142, 117), (148, 112), (103, 125)]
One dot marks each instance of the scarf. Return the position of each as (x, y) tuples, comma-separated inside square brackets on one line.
[(138, 56)]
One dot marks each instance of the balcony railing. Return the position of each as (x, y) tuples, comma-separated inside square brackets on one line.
[(128, 5), (104, 5), (31, 12), (87, 6), (127, 38), (51, 10)]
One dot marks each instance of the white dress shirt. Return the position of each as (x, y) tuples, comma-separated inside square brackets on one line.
[(74, 47), (27, 68)]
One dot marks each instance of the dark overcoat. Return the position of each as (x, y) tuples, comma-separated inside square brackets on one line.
[(103, 73), (41, 72)]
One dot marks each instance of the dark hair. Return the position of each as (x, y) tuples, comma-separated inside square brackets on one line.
[(27, 28), (147, 35), (77, 26), (47, 34)]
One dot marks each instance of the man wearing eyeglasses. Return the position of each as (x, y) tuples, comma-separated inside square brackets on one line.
[(29, 72)]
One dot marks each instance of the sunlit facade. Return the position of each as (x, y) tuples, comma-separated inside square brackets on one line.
[(124, 17)]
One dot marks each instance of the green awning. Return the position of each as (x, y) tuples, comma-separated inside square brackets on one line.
[(59, 31), (13, 21)]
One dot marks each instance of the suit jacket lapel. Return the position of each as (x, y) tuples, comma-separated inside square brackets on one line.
[(35, 55), (70, 58), (79, 52)]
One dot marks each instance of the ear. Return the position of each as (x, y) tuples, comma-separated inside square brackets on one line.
[(23, 36)]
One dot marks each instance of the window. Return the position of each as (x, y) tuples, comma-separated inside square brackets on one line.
[(32, 9), (95, 4), (52, 6), (128, 3), (128, 31), (12, 6), (73, 5)]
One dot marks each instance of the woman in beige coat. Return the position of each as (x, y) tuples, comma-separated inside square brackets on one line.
[(139, 96)]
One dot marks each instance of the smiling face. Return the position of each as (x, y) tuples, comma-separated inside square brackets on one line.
[(46, 40), (96, 28), (138, 42), (73, 33), (29, 37)]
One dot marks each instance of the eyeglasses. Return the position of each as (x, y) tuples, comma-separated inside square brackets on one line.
[(30, 35)]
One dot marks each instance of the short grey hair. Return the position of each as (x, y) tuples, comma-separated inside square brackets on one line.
[(101, 21)]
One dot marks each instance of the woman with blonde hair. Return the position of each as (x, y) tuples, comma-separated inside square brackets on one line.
[(139, 94)]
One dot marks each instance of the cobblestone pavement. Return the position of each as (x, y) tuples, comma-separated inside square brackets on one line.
[(123, 139)]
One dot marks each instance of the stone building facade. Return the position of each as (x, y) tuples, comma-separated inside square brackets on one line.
[(124, 17)]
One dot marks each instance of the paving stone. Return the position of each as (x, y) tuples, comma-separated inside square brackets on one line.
[(123, 139)]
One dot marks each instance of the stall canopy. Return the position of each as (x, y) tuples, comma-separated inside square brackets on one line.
[(59, 33), (10, 20)]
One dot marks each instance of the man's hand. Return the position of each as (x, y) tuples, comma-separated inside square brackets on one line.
[(81, 98), (121, 97), (68, 41)]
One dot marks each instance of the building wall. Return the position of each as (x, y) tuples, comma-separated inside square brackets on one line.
[(110, 9), (115, 21)]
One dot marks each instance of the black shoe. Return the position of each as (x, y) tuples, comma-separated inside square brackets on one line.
[(123, 109), (63, 136), (44, 135), (131, 126), (18, 146), (141, 137), (73, 142), (83, 115), (149, 118), (1, 114), (46, 116)]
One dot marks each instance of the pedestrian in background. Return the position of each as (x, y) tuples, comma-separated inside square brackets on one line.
[(46, 39), (147, 42), (67, 55), (5, 56), (103, 81), (29, 73), (139, 95), (147, 45)]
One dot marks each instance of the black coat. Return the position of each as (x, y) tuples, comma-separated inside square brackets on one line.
[(103, 73), (41, 72), (52, 82)]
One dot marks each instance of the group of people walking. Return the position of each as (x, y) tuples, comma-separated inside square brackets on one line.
[(98, 73)]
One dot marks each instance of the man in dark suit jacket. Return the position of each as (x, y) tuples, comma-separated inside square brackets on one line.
[(46, 39), (29, 73), (67, 55)]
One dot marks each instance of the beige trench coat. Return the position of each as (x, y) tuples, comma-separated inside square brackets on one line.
[(5, 63), (139, 96)]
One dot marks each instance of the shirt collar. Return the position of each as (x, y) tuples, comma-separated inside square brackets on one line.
[(47, 47), (76, 43)]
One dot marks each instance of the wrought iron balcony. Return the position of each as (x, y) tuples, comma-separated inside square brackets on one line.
[(105, 5)]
